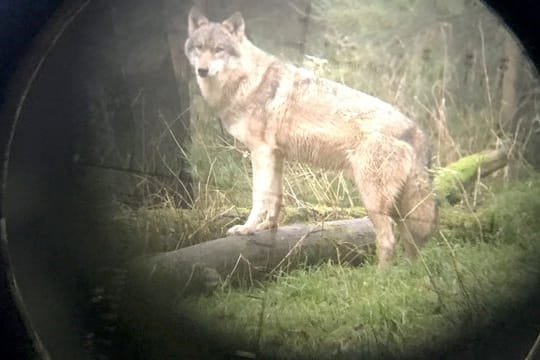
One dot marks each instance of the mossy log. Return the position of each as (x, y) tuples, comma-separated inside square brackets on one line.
[(451, 181)]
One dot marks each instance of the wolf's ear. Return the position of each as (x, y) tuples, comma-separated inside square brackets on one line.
[(196, 20), (235, 24)]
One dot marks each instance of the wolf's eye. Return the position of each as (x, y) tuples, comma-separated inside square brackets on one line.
[(219, 49)]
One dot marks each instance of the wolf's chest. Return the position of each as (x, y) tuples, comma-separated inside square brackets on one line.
[(238, 129), (211, 93)]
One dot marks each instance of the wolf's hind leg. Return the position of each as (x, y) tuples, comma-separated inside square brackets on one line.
[(380, 167), (267, 192), (417, 212)]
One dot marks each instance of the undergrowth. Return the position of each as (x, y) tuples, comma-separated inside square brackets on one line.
[(467, 277)]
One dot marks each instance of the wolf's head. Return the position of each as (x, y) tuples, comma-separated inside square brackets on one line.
[(212, 47)]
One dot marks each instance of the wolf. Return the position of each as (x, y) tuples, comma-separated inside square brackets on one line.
[(279, 111)]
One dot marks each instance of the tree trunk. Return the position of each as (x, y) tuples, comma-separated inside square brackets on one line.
[(508, 78), (245, 259), (451, 181)]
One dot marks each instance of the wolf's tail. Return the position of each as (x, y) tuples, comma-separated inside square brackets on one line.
[(417, 208)]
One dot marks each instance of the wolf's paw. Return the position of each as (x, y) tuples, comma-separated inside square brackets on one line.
[(250, 229), (241, 230)]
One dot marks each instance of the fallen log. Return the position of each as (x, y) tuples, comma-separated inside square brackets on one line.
[(451, 181), (248, 258)]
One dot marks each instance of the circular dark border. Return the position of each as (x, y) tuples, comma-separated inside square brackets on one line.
[(22, 20)]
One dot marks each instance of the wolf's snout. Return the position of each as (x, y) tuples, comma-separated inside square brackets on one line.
[(203, 72)]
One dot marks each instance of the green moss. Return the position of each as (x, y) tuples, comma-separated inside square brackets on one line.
[(508, 216), (320, 213), (449, 181), (165, 229)]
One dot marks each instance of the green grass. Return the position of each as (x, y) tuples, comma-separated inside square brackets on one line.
[(330, 309), (465, 280)]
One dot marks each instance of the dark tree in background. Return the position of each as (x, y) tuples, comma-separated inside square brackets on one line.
[(126, 69)]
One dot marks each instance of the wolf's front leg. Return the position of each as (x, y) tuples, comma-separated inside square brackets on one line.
[(267, 166)]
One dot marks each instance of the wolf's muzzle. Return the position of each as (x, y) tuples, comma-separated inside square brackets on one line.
[(202, 72)]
